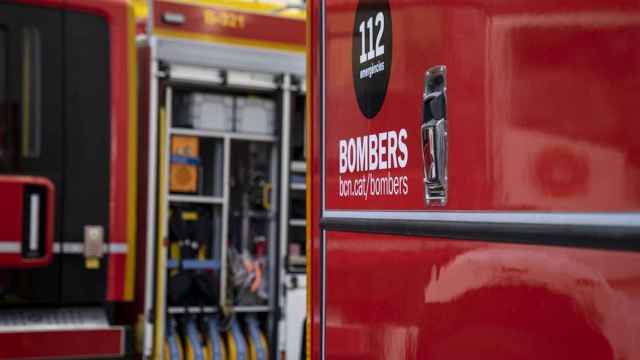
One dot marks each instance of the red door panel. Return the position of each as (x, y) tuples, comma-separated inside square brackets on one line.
[(541, 101), (391, 297), (108, 342), (543, 172)]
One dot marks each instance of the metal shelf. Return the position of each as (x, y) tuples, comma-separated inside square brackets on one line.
[(223, 134), (200, 199), (254, 214), (258, 214), (298, 186), (192, 310), (297, 260), (251, 308), (297, 222), (193, 264), (298, 167)]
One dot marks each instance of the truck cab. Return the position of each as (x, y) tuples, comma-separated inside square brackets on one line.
[(68, 138)]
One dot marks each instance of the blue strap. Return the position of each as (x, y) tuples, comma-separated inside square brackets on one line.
[(172, 340), (214, 338), (177, 159), (194, 338), (254, 332), (190, 264), (241, 346)]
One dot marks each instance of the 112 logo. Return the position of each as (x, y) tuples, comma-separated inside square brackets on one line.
[(379, 48)]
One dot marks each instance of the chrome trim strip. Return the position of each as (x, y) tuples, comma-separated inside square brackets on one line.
[(14, 247), (78, 248), (73, 248), (226, 193), (619, 232), (119, 248), (152, 138), (631, 219), (285, 164)]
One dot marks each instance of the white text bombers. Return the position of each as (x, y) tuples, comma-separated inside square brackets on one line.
[(381, 151)]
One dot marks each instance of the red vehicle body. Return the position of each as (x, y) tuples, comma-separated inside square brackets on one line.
[(68, 147), (534, 251)]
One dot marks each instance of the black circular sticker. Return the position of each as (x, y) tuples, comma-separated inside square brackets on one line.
[(371, 54)]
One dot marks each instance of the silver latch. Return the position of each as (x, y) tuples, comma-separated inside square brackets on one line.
[(434, 136), (93, 245)]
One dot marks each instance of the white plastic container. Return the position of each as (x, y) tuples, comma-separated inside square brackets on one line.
[(207, 112), (255, 115)]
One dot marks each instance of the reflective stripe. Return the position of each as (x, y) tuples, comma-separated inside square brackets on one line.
[(73, 248), (14, 247), (78, 248), (10, 247), (118, 248)]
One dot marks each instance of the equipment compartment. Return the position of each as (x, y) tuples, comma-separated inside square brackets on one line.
[(204, 111), (255, 115), (221, 243)]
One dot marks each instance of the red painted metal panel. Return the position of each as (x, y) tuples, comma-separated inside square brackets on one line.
[(541, 117), (11, 212), (62, 344), (541, 102), (313, 178), (425, 298), (223, 23), (144, 61), (116, 276)]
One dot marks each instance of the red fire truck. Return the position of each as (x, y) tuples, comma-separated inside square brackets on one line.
[(68, 148), (475, 179), (180, 229), (225, 235)]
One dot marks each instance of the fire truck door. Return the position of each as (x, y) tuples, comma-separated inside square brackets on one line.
[(477, 182), (56, 124), (31, 131), (87, 154)]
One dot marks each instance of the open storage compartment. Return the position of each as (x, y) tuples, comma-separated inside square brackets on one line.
[(220, 203), (224, 96)]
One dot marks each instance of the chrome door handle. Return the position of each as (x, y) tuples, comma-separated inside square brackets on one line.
[(434, 136)]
